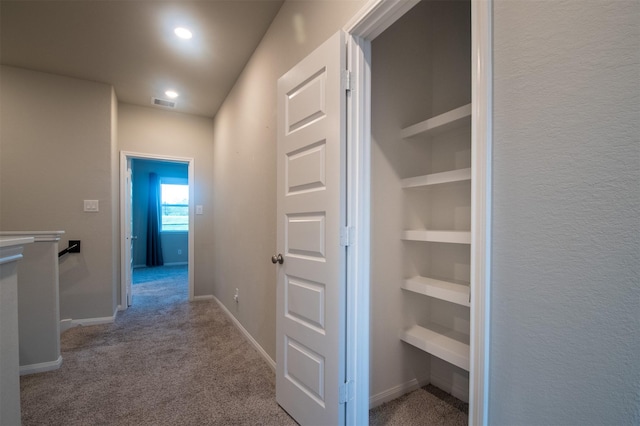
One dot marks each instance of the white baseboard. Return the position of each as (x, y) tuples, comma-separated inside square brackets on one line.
[(459, 390), (246, 334), (41, 367), (201, 298), (166, 264), (396, 392), (65, 324), (68, 323)]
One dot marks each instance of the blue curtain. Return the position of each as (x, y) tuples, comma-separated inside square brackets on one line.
[(154, 247)]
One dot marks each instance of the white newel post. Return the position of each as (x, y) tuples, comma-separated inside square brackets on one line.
[(38, 302), (11, 249)]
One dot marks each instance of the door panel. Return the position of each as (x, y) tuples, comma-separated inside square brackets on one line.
[(310, 312), (305, 235)]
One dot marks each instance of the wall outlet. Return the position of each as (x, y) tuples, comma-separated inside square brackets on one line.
[(179, 251), (236, 296), (91, 206)]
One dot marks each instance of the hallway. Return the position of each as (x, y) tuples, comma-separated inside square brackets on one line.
[(164, 361)]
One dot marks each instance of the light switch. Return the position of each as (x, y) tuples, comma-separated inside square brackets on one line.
[(91, 206), (199, 209)]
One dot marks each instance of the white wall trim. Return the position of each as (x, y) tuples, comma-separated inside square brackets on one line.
[(245, 333), (124, 155), (396, 392), (68, 323), (481, 199), (358, 217), (203, 298), (456, 389), (41, 367), (376, 16), (175, 264)]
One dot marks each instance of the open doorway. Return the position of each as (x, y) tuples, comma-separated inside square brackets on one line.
[(371, 22), (160, 227), (157, 217)]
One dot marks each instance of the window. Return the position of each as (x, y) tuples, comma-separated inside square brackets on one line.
[(175, 207)]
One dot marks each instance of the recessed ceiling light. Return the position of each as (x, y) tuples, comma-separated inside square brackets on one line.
[(183, 33), (171, 93)]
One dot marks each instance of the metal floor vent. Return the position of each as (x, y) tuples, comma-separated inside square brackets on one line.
[(163, 103)]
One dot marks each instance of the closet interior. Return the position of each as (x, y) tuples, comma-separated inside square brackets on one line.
[(421, 201)]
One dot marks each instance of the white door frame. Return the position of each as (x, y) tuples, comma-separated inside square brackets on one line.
[(371, 21), (127, 155)]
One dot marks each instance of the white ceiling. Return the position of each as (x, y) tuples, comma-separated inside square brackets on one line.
[(130, 44)]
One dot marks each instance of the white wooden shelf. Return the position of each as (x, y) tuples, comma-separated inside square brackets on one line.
[(439, 343), (443, 290), (459, 175), (455, 237), (442, 122)]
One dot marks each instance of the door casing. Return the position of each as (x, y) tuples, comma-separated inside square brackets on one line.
[(375, 17), (127, 156)]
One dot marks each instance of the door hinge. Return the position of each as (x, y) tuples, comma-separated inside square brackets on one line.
[(347, 236), (346, 80), (346, 392)]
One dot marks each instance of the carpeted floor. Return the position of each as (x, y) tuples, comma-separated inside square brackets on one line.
[(166, 361), (425, 406)]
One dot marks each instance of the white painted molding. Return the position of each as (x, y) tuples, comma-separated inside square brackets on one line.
[(124, 155), (68, 323), (458, 390), (396, 392), (358, 217), (245, 333), (11, 248), (202, 298), (175, 264), (41, 367), (38, 236), (481, 159), (376, 16), (65, 324)]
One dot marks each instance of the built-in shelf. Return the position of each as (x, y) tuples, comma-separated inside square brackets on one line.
[(455, 237), (442, 122), (459, 175), (443, 290), (438, 342)]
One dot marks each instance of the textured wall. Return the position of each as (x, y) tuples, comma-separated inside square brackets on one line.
[(56, 143), (565, 339), (245, 164), (149, 130)]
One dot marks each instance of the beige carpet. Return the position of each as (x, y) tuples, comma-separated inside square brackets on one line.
[(426, 406), (166, 361)]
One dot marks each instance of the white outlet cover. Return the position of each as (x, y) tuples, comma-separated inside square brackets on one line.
[(199, 209), (91, 206)]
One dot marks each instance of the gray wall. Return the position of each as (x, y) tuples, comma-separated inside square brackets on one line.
[(244, 164), (155, 131), (565, 326), (56, 136), (171, 241)]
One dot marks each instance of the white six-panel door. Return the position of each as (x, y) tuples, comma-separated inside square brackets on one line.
[(311, 293)]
